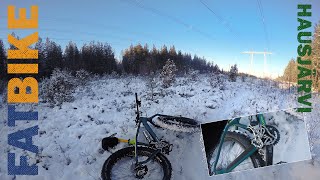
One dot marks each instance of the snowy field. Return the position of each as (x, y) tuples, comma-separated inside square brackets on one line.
[(70, 136)]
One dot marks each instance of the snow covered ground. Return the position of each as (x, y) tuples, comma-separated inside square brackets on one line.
[(70, 136)]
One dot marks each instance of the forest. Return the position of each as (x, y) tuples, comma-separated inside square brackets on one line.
[(290, 73), (99, 58)]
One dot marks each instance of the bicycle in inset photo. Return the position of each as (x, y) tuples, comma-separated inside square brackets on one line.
[(241, 146)]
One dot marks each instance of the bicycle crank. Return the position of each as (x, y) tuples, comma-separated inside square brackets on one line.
[(271, 135)]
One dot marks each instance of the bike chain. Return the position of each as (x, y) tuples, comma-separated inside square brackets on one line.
[(264, 135), (272, 135)]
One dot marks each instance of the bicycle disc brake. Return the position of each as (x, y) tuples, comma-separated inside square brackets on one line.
[(271, 135), (141, 171)]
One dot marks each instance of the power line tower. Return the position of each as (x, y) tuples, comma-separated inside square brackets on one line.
[(251, 60)]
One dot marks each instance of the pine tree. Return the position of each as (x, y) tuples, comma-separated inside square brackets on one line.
[(40, 46), (291, 73), (215, 69), (3, 60), (72, 56), (168, 73), (151, 84), (316, 57), (53, 57), (164, 54), (153, 64), (233, 73), (172, 53), (109, 58)]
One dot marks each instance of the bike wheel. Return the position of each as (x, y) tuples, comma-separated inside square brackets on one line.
[(180, 124), (120, 165), (234, 144)]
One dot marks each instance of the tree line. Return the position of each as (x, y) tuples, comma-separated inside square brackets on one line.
[(291, 72), (142, 60), (99, 58)]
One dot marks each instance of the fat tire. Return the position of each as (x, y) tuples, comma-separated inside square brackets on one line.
[(180, 124), (129, 152), (245, 142)]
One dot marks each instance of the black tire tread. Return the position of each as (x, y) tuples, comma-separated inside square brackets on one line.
[(244, 141), (129, 151), (179, 122)]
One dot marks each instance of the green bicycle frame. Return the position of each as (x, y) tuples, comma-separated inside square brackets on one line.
[(244, 155), (144, 121)]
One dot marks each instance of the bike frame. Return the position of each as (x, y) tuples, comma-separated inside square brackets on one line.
[(144, 121), (244, 155)]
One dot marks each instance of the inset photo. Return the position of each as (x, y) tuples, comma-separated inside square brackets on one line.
[(255, 141)]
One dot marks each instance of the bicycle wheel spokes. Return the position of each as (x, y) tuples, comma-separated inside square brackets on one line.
[(124, 169), (229, 152)]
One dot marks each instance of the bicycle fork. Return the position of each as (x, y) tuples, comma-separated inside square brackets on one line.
[(243, 156)]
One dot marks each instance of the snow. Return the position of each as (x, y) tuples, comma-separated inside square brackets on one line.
[(70, 135)]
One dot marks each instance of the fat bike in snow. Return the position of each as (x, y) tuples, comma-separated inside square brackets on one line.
[(144, 160), (241, 150)]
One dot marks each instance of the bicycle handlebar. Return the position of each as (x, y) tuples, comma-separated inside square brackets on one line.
[(138, 103)]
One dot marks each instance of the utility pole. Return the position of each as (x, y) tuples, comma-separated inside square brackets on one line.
[(251, 60)]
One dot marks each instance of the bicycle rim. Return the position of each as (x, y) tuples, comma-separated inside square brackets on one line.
[(230, 150), (124, 169)]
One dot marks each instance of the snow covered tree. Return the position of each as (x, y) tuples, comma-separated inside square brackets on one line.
[(58, 88), (217, 81), (193, 75), (243, 78), (233, 73), (82, 76), (168, 73), (151, 84), (215, 69)]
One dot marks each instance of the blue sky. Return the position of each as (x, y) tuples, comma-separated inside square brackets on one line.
[(220, 36)]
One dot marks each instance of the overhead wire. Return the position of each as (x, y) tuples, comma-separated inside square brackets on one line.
[(219, 17), (170, 17), (264, 23)]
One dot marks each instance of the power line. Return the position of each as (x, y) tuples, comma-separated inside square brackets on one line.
[(88, 41), (82, 40), (89, 33), (97, 35), (97, 25), (71, 21), (220, 18), (172, 18), (263, 22)]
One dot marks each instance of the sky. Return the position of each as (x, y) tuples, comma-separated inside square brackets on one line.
[(219, 30)]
